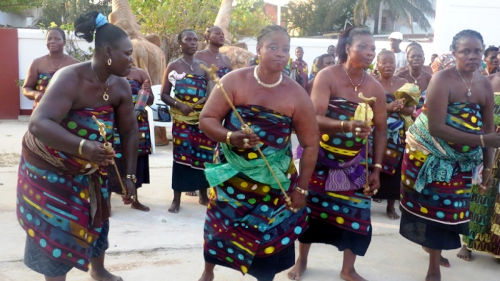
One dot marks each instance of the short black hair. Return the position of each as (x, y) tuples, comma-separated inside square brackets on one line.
[(179, 36), (268, 30), (346, 38), (85, 27), (489, 50), (463, 34), (58, 29)]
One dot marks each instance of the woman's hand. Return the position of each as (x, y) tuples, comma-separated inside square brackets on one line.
[(298, 200), (95, 152), (146, 86), (243, 140), (185, 109), (373, 183), (359, 128), (396, 105)]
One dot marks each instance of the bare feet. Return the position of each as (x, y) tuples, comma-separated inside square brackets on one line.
[(391, 213), (174, 207), (126, 201), (138, 206), (433, 277), (298, 269), (442, 260), (351, 275), (464, 254), (104, 275), (207, 276)]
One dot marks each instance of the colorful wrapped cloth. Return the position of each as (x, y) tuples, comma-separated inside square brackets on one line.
[(484, 225), (390, 178), (340, 215), (42, 82), (192, 149), (62, 200), (221, 71), (248, 226), (436, 180), (144, 147)]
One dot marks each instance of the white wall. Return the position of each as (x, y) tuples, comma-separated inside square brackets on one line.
[(454, 16), (31, 46), (314, 47)]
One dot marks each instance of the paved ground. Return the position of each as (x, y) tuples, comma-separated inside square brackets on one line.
[(158, 245)]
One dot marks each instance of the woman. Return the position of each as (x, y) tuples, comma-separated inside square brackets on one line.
[(214, 36), (415, 73), (491, 60), (62, 191), (192, 149), (339, 192), (319, 63), (483, 233), (139, 83), (443, 147), (390, 177), (43, 68), (249, 226)]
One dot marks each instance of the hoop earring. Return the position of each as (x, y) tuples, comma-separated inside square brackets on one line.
[(110, 61)]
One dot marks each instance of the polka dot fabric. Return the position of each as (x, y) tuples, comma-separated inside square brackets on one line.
[(443, 202), (247, 219), (53, 204)]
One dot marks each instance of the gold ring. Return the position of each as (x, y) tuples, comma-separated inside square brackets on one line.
[(357, 129), (245, 141)]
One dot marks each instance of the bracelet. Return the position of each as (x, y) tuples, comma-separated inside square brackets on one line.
[(481, 137), (228, 137), (80, 147), (377, 165), (302, 191), (175, 103), (342, 126), (131, 177)]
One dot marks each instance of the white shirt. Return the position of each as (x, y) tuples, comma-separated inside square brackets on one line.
[(400, 60)]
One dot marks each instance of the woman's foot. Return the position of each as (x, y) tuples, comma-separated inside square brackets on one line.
[(103, 275), (174, 207), (138, 206), (465, 254), (298, 269), (442, 260), (207, 276), (351, 275), (391, 213), (127, 201)]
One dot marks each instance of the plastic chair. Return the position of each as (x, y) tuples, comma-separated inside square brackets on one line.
[(156, 89)]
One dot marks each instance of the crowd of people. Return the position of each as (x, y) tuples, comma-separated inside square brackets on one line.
[(423, 135)]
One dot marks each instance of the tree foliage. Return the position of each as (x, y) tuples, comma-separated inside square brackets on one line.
[(313, 17), (248, 18)]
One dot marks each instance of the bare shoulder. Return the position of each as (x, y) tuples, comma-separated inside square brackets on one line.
[(71, 60), (400, 80)]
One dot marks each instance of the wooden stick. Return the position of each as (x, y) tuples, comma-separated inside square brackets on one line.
[(367, 101), (212, 70), (109, 148)]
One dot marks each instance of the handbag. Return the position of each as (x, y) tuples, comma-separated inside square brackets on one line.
[(163, 113)]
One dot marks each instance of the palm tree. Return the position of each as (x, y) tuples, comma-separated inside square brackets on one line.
[(411, 10)]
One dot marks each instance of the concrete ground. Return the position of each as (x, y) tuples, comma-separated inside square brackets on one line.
[(162, 246)]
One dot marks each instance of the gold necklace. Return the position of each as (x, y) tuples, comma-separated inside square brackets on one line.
[(352, 83), (469, 93), (215, 54), (416, 79), (105, 95), (190, 65), (265, 84)]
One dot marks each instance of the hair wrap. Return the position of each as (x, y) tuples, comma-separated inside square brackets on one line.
[(100, 20)]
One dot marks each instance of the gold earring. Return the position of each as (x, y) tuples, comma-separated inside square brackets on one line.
[(110, 61)]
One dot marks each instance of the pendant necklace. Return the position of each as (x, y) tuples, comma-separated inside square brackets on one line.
[(469, 93), (190, 65), (256, 76), (352, 83), (105, 95), (415, 79)]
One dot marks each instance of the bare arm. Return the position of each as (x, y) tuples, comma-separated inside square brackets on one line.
[(127, 125), (166, 87), (437, 103), (30, 82)]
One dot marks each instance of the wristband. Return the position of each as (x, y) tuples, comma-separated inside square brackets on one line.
[(228, 137), (80, 147), (377, 165)]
